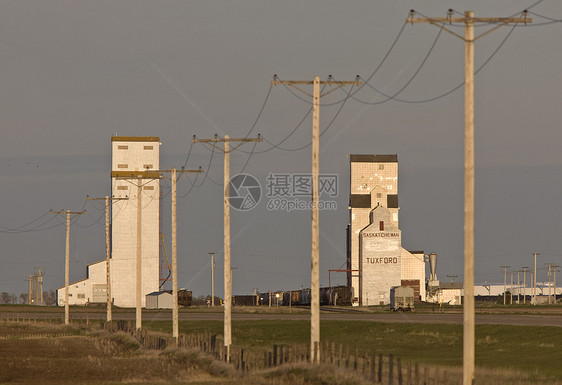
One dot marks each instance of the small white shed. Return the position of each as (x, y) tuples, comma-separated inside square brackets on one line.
[(159, 300)]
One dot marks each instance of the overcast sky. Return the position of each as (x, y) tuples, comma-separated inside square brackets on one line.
[(74, 73)]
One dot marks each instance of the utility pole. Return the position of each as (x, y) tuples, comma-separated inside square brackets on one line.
[(139, 255), (30, 289), (504, 280), (212, 279), (175, 318), (518, 286), (315, 254), (227, 273), (40, 284), (469, 39), (36, 287), (555, 267), (107, 252), (535, 280), (511, 289), (524, 283), (549, 280), (66, 260)]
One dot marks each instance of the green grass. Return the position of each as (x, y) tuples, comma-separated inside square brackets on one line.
[(533, 350)]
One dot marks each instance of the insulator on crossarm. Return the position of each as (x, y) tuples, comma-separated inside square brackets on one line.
[(450, 15)]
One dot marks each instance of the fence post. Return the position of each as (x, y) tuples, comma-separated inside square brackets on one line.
[(373, 372), (399, 369), (390, 369), (213, 343), (417, 374), (409, 372), (425, 376), (380, 369)]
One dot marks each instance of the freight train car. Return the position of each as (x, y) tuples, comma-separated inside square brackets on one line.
[(184, 297), (329, 296), (244, 300)]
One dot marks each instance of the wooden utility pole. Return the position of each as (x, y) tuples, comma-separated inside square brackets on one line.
[(40, 278), (504, 280), (227, 273), (175, 321), (518, 286), (30, 290), (107, 252), (524, 283), (66, 260), (469, 39), (549, 280), (315, 254), (138, 275), (212, 279), (535, 280), (554, 272), (511, 289)]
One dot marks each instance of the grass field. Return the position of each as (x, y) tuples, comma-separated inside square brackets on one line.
[(505, 354), (535, 351)]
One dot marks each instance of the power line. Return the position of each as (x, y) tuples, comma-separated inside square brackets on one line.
[(324, 130), (248, 160), (550, 20), (27, 224), (278, 145), (259, 113), (190, 188), (393, 97), (286, 137), (383, 60), (447, 93), (33, 229)]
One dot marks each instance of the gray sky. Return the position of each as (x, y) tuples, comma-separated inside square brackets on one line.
[(73, 73)]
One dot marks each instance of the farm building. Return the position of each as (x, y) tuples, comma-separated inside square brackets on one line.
[(159, 300)]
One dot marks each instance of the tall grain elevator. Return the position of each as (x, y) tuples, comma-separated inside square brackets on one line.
[(135, 162), (376, 260)]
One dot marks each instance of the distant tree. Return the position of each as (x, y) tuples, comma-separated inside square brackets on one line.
[(8, 298), (23, 298), (50, 297)]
